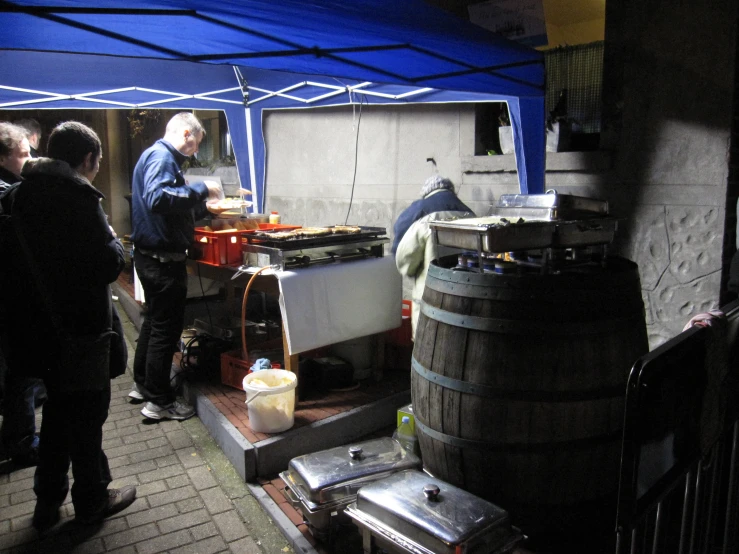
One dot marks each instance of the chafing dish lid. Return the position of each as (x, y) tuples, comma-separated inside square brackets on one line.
[(413, 500), (491, 222), (320, 471), (565, 205)]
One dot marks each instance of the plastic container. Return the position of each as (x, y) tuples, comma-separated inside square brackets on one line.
[(270, 397), (217, 247), (274, 218), (407, 411), (406, 437), (403, 335)]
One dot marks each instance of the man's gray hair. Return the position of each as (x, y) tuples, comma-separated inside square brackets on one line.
[(185, 121), (10, 137)]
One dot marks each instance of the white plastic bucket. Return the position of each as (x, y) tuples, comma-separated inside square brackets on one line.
[(270, 398)]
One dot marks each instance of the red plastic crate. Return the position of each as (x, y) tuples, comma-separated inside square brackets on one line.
[(218, 247), (234, 368), (403, 335)]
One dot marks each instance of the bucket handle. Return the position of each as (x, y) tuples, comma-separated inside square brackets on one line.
[(257, 393)]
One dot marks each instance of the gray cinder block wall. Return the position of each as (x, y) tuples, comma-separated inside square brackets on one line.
[(669, 77), (663, 163)]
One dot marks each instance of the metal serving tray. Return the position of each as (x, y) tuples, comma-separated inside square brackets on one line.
[(560, 206), (493, 234), (585, 232), (322, 484), (410, 512)]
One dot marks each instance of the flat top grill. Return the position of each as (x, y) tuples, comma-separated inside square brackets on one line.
[(289, 253), (299, 243)]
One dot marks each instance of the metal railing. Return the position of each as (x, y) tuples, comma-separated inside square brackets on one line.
[(675, 497)]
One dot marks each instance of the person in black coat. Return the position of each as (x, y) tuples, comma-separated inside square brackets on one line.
[(19, 392), (55, 292)]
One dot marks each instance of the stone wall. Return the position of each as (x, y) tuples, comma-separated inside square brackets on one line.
[(669, 76)]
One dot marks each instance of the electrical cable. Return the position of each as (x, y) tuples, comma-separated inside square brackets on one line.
[(356, 156), (203, 348)]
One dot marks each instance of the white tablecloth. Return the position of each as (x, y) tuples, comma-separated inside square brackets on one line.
[(323, 305)]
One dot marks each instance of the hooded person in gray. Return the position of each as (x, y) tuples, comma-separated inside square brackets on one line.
[(412, 244)]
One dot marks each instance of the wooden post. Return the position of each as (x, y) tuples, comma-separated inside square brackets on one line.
[(291, 360)]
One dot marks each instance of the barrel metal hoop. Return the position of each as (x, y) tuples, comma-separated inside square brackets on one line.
[(529, 326), (508, 294), (494, 393), (510, 447)]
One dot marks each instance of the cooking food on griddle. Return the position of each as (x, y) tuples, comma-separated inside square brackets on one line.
[(312, 231), (278, 234), (220, 206), (346, 229)]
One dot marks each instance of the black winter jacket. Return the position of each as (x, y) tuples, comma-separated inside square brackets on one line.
[(78, 256)]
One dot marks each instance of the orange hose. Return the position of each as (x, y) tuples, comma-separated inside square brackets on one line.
[(244, 353)]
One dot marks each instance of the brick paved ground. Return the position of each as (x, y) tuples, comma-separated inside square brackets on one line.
[(190, 499)]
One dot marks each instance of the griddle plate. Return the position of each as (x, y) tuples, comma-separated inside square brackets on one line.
[(308, 242)]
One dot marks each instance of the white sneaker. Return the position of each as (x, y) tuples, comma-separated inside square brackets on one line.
[(135, 394), (176, 410)]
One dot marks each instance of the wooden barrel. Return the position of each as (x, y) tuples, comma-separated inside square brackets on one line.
[(518, 388)]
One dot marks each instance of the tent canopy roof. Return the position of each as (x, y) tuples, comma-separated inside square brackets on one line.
[(259, 54), (384, 41)]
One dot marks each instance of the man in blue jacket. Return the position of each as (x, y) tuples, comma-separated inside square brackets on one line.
[(164, 208)]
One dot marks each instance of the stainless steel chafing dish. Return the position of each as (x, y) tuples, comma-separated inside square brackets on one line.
[(493, 234), (322, 484), (529, 222), (553, 206), (410, 512)]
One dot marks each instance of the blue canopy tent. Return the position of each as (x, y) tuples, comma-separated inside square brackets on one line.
[(250, 55)]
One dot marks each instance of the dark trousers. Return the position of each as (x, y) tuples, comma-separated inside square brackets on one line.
[(165, 290), (72, 431)]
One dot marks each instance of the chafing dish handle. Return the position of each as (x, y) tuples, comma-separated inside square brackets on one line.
[(290, 495)]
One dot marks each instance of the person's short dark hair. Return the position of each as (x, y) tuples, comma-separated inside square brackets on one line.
[(31, 126), (71, 141), (10, 137)]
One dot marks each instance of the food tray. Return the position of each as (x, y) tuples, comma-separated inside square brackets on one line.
[(585, 232), (493, 234), (410, 511), (559, 206)]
